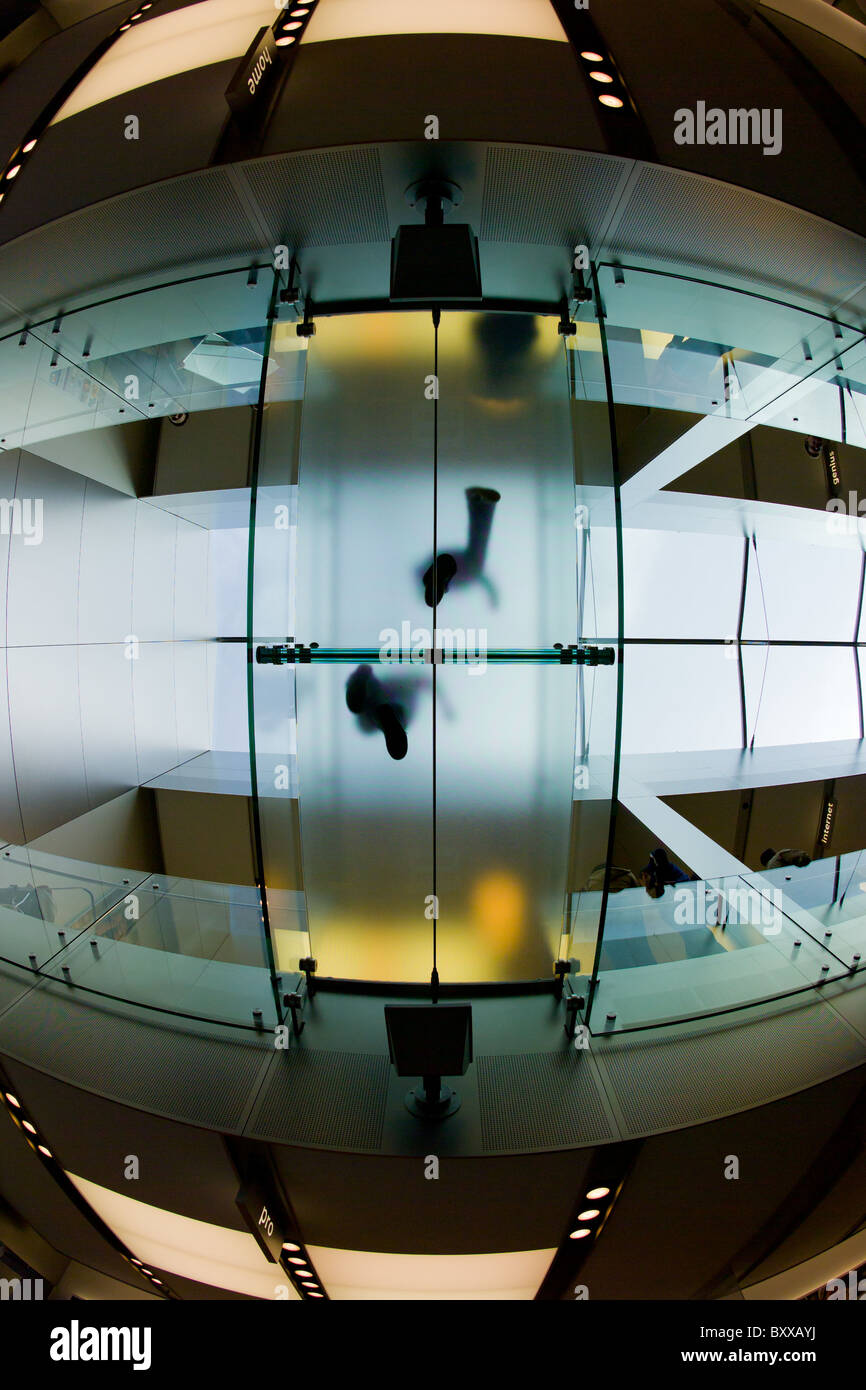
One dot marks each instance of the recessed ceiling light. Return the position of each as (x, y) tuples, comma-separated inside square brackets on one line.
[(310, 1284), (46, 1152), (13, 1100), (287, 1245), (580, 1233), (13, 171), (285, 41), (31, 144), (122, 28), (134, 1260), (28, 1125), (148, 1272), (592, 57), (314, 1295), (601, 77), (297, 25), (610, 101), (295, 13), (589, 1215), (596, 1192)]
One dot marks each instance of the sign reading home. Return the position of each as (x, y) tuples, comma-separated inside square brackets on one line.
[(255, 74)]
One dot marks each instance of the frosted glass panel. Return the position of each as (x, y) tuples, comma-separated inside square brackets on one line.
[(505, 734), (365, 504), (504, 426), (365, 525), (366, 828), (504, 744)]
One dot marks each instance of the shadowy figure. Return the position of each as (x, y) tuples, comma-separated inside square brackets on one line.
[(620, 879), (466, 566), (389, 705), (505, 344), (384, 705), (659, 872), (785, 858)]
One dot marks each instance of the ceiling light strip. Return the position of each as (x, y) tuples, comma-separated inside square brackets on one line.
[(16, 161), (600, 1190), (625, 132), (25, 1123)]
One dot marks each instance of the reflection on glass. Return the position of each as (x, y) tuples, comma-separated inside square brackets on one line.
[(712, 945)]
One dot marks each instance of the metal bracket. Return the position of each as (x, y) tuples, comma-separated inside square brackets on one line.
[(291, 293), (566, 328), (575, 999), (309, 966), (580, 293), (307, 328), (285, 654), (295, 1003), (585, 656)]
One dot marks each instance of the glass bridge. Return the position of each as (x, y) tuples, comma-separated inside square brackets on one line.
[(451, 606)]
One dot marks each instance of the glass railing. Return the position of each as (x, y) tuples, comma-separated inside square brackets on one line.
[(830, 894), (118, 678), (687, 344), (707, 947), (739, 627), (178, 946)]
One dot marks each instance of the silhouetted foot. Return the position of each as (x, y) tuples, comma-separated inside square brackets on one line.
[(437, 578), (483, 494), (387, 717)]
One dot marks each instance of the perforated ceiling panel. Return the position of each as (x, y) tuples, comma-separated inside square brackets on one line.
[(337, 198), (541, 1101), (13, 983), (206, 1080), (325, 198), (325, 1099), (679, 217), (548, 197), (169, 224), (662, 1083)]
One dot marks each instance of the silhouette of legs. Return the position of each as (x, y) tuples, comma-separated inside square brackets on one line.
[(467, 566), (369, 701)]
